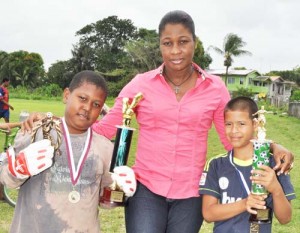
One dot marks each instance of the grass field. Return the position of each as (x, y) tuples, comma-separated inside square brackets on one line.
[(284, 130)]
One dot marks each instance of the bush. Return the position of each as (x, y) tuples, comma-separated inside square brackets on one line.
[(295, 96), (52, 91), (241, 91)]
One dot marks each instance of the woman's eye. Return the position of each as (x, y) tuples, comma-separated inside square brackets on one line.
[(167, 43), (183, 41)]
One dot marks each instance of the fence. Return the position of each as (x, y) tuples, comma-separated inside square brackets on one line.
[(294, 109)]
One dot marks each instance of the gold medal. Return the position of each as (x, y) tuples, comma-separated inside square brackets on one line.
[(74, 196)]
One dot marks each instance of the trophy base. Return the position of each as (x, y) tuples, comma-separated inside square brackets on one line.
[(262, 217), (112, 198)]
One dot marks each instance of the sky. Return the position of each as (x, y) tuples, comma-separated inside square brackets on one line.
[(269, 27)]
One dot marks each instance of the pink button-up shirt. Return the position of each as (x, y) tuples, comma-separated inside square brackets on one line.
[(172, 136)]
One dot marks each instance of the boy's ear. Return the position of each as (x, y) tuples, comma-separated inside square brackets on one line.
[(255, 123), (66, 95)]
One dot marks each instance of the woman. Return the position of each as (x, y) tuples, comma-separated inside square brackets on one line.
[(180, 103)]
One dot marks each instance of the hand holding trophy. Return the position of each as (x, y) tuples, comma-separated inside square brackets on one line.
[(124, 182), (261, 156)]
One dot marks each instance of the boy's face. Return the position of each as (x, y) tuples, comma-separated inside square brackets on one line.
[(83, 106), (239, 128)]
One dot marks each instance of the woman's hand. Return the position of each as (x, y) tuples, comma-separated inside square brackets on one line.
[(284, 159)]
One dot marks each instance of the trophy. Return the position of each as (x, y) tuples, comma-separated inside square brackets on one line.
[(48, 124), (113, 195), (261, 156)]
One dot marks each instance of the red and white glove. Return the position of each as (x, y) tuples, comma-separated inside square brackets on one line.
[(125, 178), (32, 160)]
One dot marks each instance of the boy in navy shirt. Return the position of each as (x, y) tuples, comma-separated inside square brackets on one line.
[(226, 180)]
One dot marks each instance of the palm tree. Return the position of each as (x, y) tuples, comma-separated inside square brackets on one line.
[(232, 46)]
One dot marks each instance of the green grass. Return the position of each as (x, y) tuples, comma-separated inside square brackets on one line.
[(284, 130)]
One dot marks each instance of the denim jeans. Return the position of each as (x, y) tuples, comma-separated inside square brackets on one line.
[(147, 212)]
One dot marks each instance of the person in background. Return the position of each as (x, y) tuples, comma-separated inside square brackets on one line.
[(59, 191), (4, 100), (6, 127), (226, 180)]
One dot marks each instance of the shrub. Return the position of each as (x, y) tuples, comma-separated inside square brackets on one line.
[(295, 96), (241, 91)]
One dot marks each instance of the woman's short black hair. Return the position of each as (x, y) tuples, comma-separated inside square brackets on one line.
[(177, 17)]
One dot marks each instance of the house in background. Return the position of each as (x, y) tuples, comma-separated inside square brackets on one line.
[(277, 90)]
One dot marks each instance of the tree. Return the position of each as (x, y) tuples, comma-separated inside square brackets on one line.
[(61, 73), (232, 46), (201, 58), (107, 39), (144, 53), (291, 75), (83, 57), (22, 68)]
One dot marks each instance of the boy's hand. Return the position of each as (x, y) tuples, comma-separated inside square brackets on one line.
[(266, 177), (255, 202), (34, 159), (125, 179), (27, 125)]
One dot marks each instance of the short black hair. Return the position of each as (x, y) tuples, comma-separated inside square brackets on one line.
[(88, 76), (242, 103), (5, 80), (177, 17)]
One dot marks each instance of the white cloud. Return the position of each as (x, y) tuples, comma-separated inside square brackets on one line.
[(269, 27)]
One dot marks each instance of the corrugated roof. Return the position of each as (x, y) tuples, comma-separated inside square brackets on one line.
[(230, 72)]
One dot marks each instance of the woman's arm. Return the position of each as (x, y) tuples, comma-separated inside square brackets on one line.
[(284, 159)]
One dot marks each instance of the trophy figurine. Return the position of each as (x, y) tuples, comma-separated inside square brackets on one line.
[(47, 124), (261, 156), (113, 195)]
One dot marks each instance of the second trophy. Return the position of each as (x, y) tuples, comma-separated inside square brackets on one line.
[(261, 156), (114, 195)]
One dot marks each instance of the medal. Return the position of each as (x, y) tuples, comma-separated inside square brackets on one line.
[(74, 196)]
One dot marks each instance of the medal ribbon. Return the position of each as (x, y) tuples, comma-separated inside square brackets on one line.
[(254, 227), (75, 172), (242, 178)]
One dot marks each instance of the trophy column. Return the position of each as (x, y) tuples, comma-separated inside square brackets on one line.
[(113, 195), (261, 156)]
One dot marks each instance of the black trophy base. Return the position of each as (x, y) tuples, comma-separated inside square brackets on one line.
[(112, 198), (262, 217)]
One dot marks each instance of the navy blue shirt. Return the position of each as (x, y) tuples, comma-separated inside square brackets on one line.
[(221, 180)]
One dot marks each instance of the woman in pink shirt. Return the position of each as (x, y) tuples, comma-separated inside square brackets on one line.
[(180, 103)]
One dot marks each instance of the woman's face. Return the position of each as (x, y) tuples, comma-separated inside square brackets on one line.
[(177, 46)]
